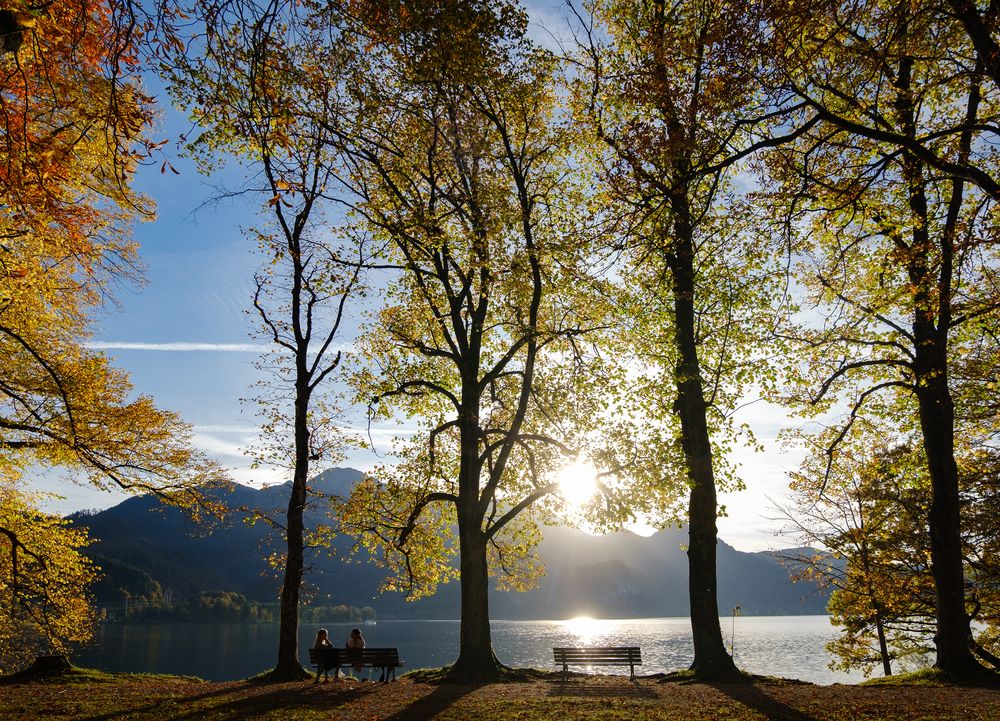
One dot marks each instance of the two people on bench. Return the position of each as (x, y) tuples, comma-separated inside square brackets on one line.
[(354, 641)]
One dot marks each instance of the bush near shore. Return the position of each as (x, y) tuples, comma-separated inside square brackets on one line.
[(88, 695)]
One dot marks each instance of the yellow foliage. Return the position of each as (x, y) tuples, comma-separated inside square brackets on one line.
[(71, 133), (43, 581)]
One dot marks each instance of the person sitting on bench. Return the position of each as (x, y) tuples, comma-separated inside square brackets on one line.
[(356, 640), (322, 641)]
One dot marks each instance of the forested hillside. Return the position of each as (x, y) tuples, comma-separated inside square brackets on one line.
[(152, 552)]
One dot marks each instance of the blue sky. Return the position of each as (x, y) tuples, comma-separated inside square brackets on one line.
[(186, 338)]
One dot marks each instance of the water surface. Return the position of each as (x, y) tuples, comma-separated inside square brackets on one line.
[(788, 646)]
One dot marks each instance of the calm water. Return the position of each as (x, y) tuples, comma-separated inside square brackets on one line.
[(789, 646)]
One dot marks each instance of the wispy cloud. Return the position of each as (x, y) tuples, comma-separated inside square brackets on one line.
[(185, 346), (179, 346), (381, 432), (222, 449), (246, 430)]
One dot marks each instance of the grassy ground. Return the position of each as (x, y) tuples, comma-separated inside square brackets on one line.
[(92, 696)]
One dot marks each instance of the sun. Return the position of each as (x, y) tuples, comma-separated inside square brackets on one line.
[(577, 483)]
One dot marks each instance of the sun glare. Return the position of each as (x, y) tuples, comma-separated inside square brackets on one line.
[(577, 483), (584, 629)]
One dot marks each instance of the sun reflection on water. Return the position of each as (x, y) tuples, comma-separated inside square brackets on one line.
[(584, 628)]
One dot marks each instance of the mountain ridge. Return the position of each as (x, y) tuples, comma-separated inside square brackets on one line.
[(142, 546)]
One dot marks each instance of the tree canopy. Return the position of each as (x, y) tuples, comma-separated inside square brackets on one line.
[(72, 116)]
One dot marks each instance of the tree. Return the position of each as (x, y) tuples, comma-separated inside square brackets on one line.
[(867, 514), (259, 88), (870, 39), (464, 177), (72, 121), (869, 510), (44, 579), (901, 256), (674, 93), (70, 146)]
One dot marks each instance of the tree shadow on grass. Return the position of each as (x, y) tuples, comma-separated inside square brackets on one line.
[(156, 702), (440, 699), (752, 696), (583, 688), (286, 697)]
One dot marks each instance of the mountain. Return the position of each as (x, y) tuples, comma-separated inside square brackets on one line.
[(139, 544)]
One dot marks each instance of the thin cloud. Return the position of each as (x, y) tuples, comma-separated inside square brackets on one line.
[(247, 430), (375, 431), (184, 346), (179, 346)]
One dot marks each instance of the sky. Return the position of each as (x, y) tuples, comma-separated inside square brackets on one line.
[(185, 338)]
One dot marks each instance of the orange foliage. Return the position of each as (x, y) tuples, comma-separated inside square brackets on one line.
[(71, 124)]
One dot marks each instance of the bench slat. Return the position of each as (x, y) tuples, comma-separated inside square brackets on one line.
[(597, 656), (336, 658), (600, 652)]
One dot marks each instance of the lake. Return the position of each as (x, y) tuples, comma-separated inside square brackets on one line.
[(788, 646)]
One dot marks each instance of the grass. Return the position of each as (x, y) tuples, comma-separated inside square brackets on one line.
[(85, 695), (89, 676), (934, 677)]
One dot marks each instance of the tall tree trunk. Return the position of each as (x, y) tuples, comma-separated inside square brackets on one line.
[(476, 659), (288, 665), (710, 657), (954, 653), (931, 326)]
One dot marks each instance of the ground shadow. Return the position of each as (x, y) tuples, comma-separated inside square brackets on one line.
[(215, 691), (441, 698), (243, 704), (752, 696), (583, 688)]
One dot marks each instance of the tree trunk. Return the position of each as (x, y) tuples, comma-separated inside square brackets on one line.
[(931, 325), (883, 647), (51, 665), (288, 665), (476, 660), (953, 637), (710, 657)]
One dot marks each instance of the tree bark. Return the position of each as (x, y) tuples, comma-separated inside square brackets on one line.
[(710, 657), (476, 660), (953, 637), (288, 665), (883, 646)]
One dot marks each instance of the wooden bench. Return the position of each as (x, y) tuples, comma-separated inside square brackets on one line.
[(597, 656), (386, 659)]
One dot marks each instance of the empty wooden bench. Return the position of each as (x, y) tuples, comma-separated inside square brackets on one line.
[(386, 659), (597, 656)]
